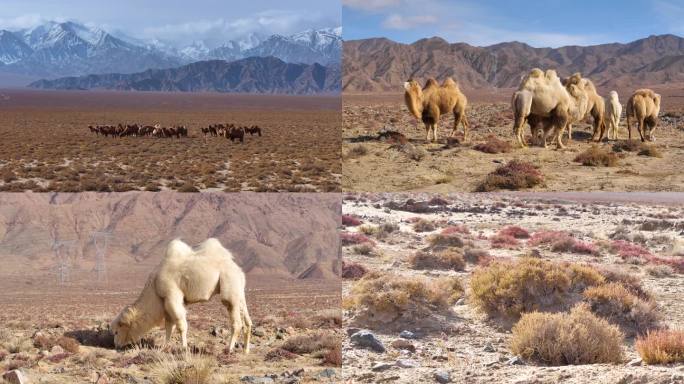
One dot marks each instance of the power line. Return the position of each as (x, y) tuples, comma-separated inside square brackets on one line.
[(101, 242), (63, 252)]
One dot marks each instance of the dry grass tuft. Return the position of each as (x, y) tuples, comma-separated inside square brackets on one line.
[(515, 231), (513, 176), (662, 347), (650, 151), (441, 241), (389, 297), (422, 225), (597, 156), (311, 343), (578, 337), (616, 304), (188, 369), (448, 260)]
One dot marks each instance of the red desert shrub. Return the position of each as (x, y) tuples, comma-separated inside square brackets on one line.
[(503, 241), (493, 144), (514, 175), (353, 271), (515, 231), (662, 347), (350, 238), (452, 229), (560, 241), (626, 249), (351, 221)]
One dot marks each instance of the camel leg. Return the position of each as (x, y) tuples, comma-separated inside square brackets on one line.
[(640, 128), (176, 312), (561, 122), (457, 120), (569, 132), (236, 323), (464, 120), (247, 321), (427, 133), (170, 326), (434, 132), (629, 128)]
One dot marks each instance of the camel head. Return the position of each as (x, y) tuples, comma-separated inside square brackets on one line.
[(125, 327), (575, 78), (413, 97)]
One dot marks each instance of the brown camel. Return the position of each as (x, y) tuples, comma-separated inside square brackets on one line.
[(430, 102), (644, 106)]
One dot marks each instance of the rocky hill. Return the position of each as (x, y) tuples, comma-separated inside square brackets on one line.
[(380, 64), (281, 235)]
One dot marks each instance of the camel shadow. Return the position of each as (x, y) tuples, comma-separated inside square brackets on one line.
[(582, 136), (362, 139), (100, 338)]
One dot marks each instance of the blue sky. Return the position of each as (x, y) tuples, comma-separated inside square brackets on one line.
[(178, 20), (547, 23)]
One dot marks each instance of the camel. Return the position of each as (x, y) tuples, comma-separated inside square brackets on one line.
[(186, 276), (430, 102), (613, 113), (644, 106), (596, 106), (541, 94)]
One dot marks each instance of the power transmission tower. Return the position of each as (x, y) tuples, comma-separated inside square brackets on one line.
[(63, 250), (101, 241)]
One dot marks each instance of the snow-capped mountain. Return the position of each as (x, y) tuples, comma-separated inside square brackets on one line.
[(57, 49)]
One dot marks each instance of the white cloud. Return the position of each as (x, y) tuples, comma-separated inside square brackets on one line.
[(370, 5), (396, 21), (481, 35), (21, 22)]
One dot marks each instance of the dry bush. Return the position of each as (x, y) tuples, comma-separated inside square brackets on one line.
[(441, 241), (597, 156), (351, 221), (660, 270), (188, 369), (560, 241), (423, 225), (411, 151), (350, 238), (455, 229), (662, 347), (627, 146), (385, 229), (368, 230), (513, 176), (515, 231), (353, 271), (630, 282), (69, 344), (311, 343), (357, 151), (448, 260), (508, 289), (493, 144), (503, 241), (616, 304), (650, 151), (334, 356), (365, 249), (626, 249), (475, 255), (278, 354), (578, 337), (388, 297)]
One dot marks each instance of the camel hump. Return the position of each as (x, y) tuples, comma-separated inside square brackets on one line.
[(212, 246), (431, 83), (536, 72), (177, 248), (449, 82), (551, 74)]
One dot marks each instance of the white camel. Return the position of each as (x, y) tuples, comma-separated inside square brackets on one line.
[(613, 113), (186, 276)]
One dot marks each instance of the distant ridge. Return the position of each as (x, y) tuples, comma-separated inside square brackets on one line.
[(252, 75), (381, 64)]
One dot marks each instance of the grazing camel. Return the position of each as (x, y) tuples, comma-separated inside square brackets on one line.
[(186, 276), (542, 94), (596, 106), (644, 106), (430, 102), (613, 113)]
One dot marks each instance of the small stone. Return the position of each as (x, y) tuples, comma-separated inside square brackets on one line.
[(404, 345), (442, 377), (258, 331), (379, 367), (367, 339), (328, 372), (489, 347), (635, 362), (56, 350), (460, 301), (407, 335), (15, 377), (515, 360), (256, 380), (405, 363)]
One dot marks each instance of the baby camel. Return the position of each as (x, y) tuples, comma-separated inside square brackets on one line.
[(186, 276), (430, 102)]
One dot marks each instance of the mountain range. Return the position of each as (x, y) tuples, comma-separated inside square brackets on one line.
[(58, 49), (283, 235), (251, 75), (379, 64)]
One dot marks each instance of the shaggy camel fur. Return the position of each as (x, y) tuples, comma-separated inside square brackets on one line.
[(613, 113), (542, 94), (644, 105), (186, 276), (429, 103), (596, 106)]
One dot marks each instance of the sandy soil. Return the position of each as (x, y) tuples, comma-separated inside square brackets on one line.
[(46, 143), (382, 167), (471, 349)]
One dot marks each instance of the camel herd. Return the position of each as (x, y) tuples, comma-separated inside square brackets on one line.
[(548, 104), (139, 130), (229, 131)]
